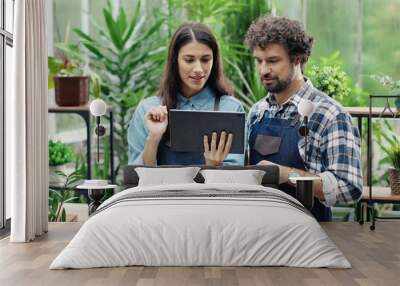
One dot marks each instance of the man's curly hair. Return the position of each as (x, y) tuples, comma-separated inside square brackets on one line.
[(280, 30)]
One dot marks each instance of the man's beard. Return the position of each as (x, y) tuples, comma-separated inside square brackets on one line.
[(281, 84)]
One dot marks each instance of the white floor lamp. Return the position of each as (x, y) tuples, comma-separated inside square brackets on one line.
[(97, 187)]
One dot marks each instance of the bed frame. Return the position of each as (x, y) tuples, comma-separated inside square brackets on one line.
[(270, 179)]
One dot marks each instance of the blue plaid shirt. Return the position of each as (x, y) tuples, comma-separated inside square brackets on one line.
[(204, 100), (333, 142)]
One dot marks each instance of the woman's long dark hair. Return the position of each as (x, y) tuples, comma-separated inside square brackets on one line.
[(171, 82)]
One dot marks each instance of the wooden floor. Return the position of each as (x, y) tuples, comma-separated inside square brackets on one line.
[(375, 256)]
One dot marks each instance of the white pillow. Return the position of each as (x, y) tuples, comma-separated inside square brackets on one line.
[(248, 177), (164, 176)]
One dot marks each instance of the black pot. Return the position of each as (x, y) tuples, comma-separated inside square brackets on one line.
[(71, 91)]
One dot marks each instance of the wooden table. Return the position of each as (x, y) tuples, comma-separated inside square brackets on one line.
[(378, 195), (381, 194), (375, 112)]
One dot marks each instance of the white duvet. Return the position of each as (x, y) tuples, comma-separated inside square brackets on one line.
[(183, 231)]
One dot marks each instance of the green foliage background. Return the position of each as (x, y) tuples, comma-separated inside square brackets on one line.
[(59, 153)]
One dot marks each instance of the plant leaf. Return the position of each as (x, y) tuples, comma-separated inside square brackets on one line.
[(112, 28)]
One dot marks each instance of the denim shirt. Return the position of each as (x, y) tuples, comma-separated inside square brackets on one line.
[(204, 100)]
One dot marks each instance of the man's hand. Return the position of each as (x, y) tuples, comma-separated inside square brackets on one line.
[(284, 177), (283, 171), (266, 163), (215, 156)]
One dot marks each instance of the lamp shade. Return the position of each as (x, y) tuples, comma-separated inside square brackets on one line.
[(305, 107), (98, 107)]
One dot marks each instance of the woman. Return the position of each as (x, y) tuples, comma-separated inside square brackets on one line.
[(193, 80)]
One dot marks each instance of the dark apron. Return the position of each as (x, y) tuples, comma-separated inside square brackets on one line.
[(167, 157), (276, 140)]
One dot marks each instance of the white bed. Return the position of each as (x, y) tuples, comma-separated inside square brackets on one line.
[(264, 229)]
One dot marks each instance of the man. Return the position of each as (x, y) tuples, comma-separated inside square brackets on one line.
[(281, 48)]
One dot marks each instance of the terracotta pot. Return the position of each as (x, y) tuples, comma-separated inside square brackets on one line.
[(71, 91), (394, 181)]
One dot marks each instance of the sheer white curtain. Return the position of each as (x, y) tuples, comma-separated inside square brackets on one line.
[(26, 124)]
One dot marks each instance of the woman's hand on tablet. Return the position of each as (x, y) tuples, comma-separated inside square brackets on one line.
[(215, 155), (157, 121)]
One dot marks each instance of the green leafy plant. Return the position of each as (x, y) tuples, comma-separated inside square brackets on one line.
[(59, 153), (385, 137), (394, 156), (62, 67), (241, 68), (330, 79), (248, 88), (127, 58), (67, 61), (57, 198), (328, 76)]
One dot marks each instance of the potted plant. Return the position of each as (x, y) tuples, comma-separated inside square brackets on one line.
[(66, 75), (71, 86), (60, 160), (127, 57), (58, 198), (394, 172)]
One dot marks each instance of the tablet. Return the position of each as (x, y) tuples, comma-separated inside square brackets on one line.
[(187, 128)]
